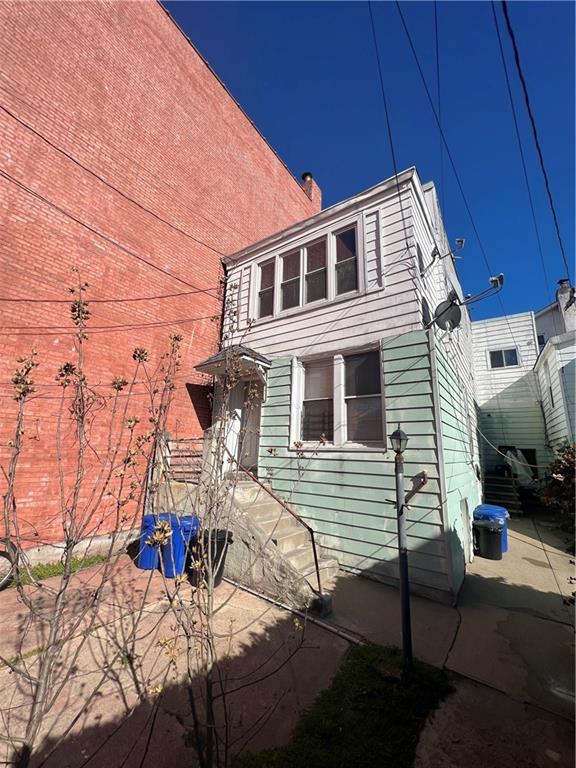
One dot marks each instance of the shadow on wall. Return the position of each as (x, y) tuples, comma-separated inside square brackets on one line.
[(270, 670), (201, 398)]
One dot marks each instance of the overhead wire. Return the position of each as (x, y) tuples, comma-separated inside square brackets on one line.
[(107, 238), (535, 133)]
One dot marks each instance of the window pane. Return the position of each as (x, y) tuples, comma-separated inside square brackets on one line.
[(364, 419), (346, 276), (291, 265), (346, 245), (316, 256), (511, 357), (317, 420), (266, 302), (363, 374), (318, 380), (316, 286), (267, 275), (291, 294), (496, 359)]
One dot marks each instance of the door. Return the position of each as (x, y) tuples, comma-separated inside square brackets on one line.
[(249, 438)]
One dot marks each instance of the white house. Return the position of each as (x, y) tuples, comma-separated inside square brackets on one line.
[(333, 324)]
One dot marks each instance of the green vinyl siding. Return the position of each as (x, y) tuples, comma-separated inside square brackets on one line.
[(347, 495), (456, 422), (522, 427)]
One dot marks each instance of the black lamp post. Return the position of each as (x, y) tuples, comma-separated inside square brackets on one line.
[(399, 441)]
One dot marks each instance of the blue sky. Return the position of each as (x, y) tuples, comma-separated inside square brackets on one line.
[(306, 74)]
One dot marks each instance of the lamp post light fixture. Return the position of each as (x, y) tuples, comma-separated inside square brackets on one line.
[(399, 441)]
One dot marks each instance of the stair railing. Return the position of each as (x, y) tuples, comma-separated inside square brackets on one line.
[(288, 509)]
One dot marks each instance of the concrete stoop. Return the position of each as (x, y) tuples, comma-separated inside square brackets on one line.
[(281, 549)]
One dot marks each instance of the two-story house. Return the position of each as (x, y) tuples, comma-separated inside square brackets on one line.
[(334, 328)]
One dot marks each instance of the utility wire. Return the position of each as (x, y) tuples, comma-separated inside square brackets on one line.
[(522, 157), (388, 126), (22, 300), (438, 91), (107, 238), (535, 132), (133, 163), (59, 330)]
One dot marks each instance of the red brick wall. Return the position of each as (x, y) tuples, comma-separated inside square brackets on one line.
[(135, 145)]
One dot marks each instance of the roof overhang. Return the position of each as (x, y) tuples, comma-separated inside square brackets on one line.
[(243, 361)]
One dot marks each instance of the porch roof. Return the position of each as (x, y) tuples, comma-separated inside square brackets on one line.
[(247, 357)]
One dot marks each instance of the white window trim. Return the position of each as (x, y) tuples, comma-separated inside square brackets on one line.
[(332, 297), (503, 367), (339, 443)]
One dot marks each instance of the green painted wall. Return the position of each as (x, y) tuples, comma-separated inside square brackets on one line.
[(462, 488), (522, 427), (346, 495)]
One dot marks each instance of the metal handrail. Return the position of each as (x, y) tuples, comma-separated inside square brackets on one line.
[(283, 504)]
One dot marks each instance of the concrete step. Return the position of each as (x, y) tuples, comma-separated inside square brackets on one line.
[(247, 492), (288, 542), (301, 558), (264, 509), (279, 524)]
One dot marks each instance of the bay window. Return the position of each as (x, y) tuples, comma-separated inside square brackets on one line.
[(320, 270)]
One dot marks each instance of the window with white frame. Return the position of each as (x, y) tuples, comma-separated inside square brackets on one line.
[(266, 291), (346, 261), (321, 270), (318, 402), (339, 400), (503, 358), (363, 396)]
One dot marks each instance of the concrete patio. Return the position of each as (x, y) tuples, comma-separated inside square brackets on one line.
[(508, 646)]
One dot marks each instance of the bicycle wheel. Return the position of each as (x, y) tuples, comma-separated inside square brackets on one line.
[(7, 568)]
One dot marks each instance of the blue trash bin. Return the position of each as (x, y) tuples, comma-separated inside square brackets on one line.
[(149, 556), (489, 512), (175, 552)]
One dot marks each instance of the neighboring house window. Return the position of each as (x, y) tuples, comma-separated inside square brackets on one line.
[(318, 403), (426, 316), (363, 397), (346, 258), (316, 271), (541, 341), (290, 287), (266, 292), (548, 382), (503, 358)]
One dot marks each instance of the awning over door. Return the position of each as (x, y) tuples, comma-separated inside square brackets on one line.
[(245, 362)]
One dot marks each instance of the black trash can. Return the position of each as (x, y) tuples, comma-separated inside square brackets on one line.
[(220, 540), (488, 539)]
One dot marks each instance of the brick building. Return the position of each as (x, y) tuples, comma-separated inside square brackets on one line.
[(122, 154)]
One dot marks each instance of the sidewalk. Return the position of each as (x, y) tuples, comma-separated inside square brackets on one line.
[(509, 645)]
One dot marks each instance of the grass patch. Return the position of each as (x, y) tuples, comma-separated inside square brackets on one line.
[(367, 717), (44, 571)]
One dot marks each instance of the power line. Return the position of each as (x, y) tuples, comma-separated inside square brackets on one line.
[(436, 40), (56, 330), (520, 149), (388, 126), (115, 148), (107, 238), (535, 133), (22, 300)]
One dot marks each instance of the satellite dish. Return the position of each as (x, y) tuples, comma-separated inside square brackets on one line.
[(447, 315)]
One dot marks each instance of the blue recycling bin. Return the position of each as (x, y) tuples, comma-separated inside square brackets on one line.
[(149, 556), (493, 514), (175, 552)]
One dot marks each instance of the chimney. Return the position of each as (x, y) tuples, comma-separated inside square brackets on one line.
[(566, 304), (312, 189)]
